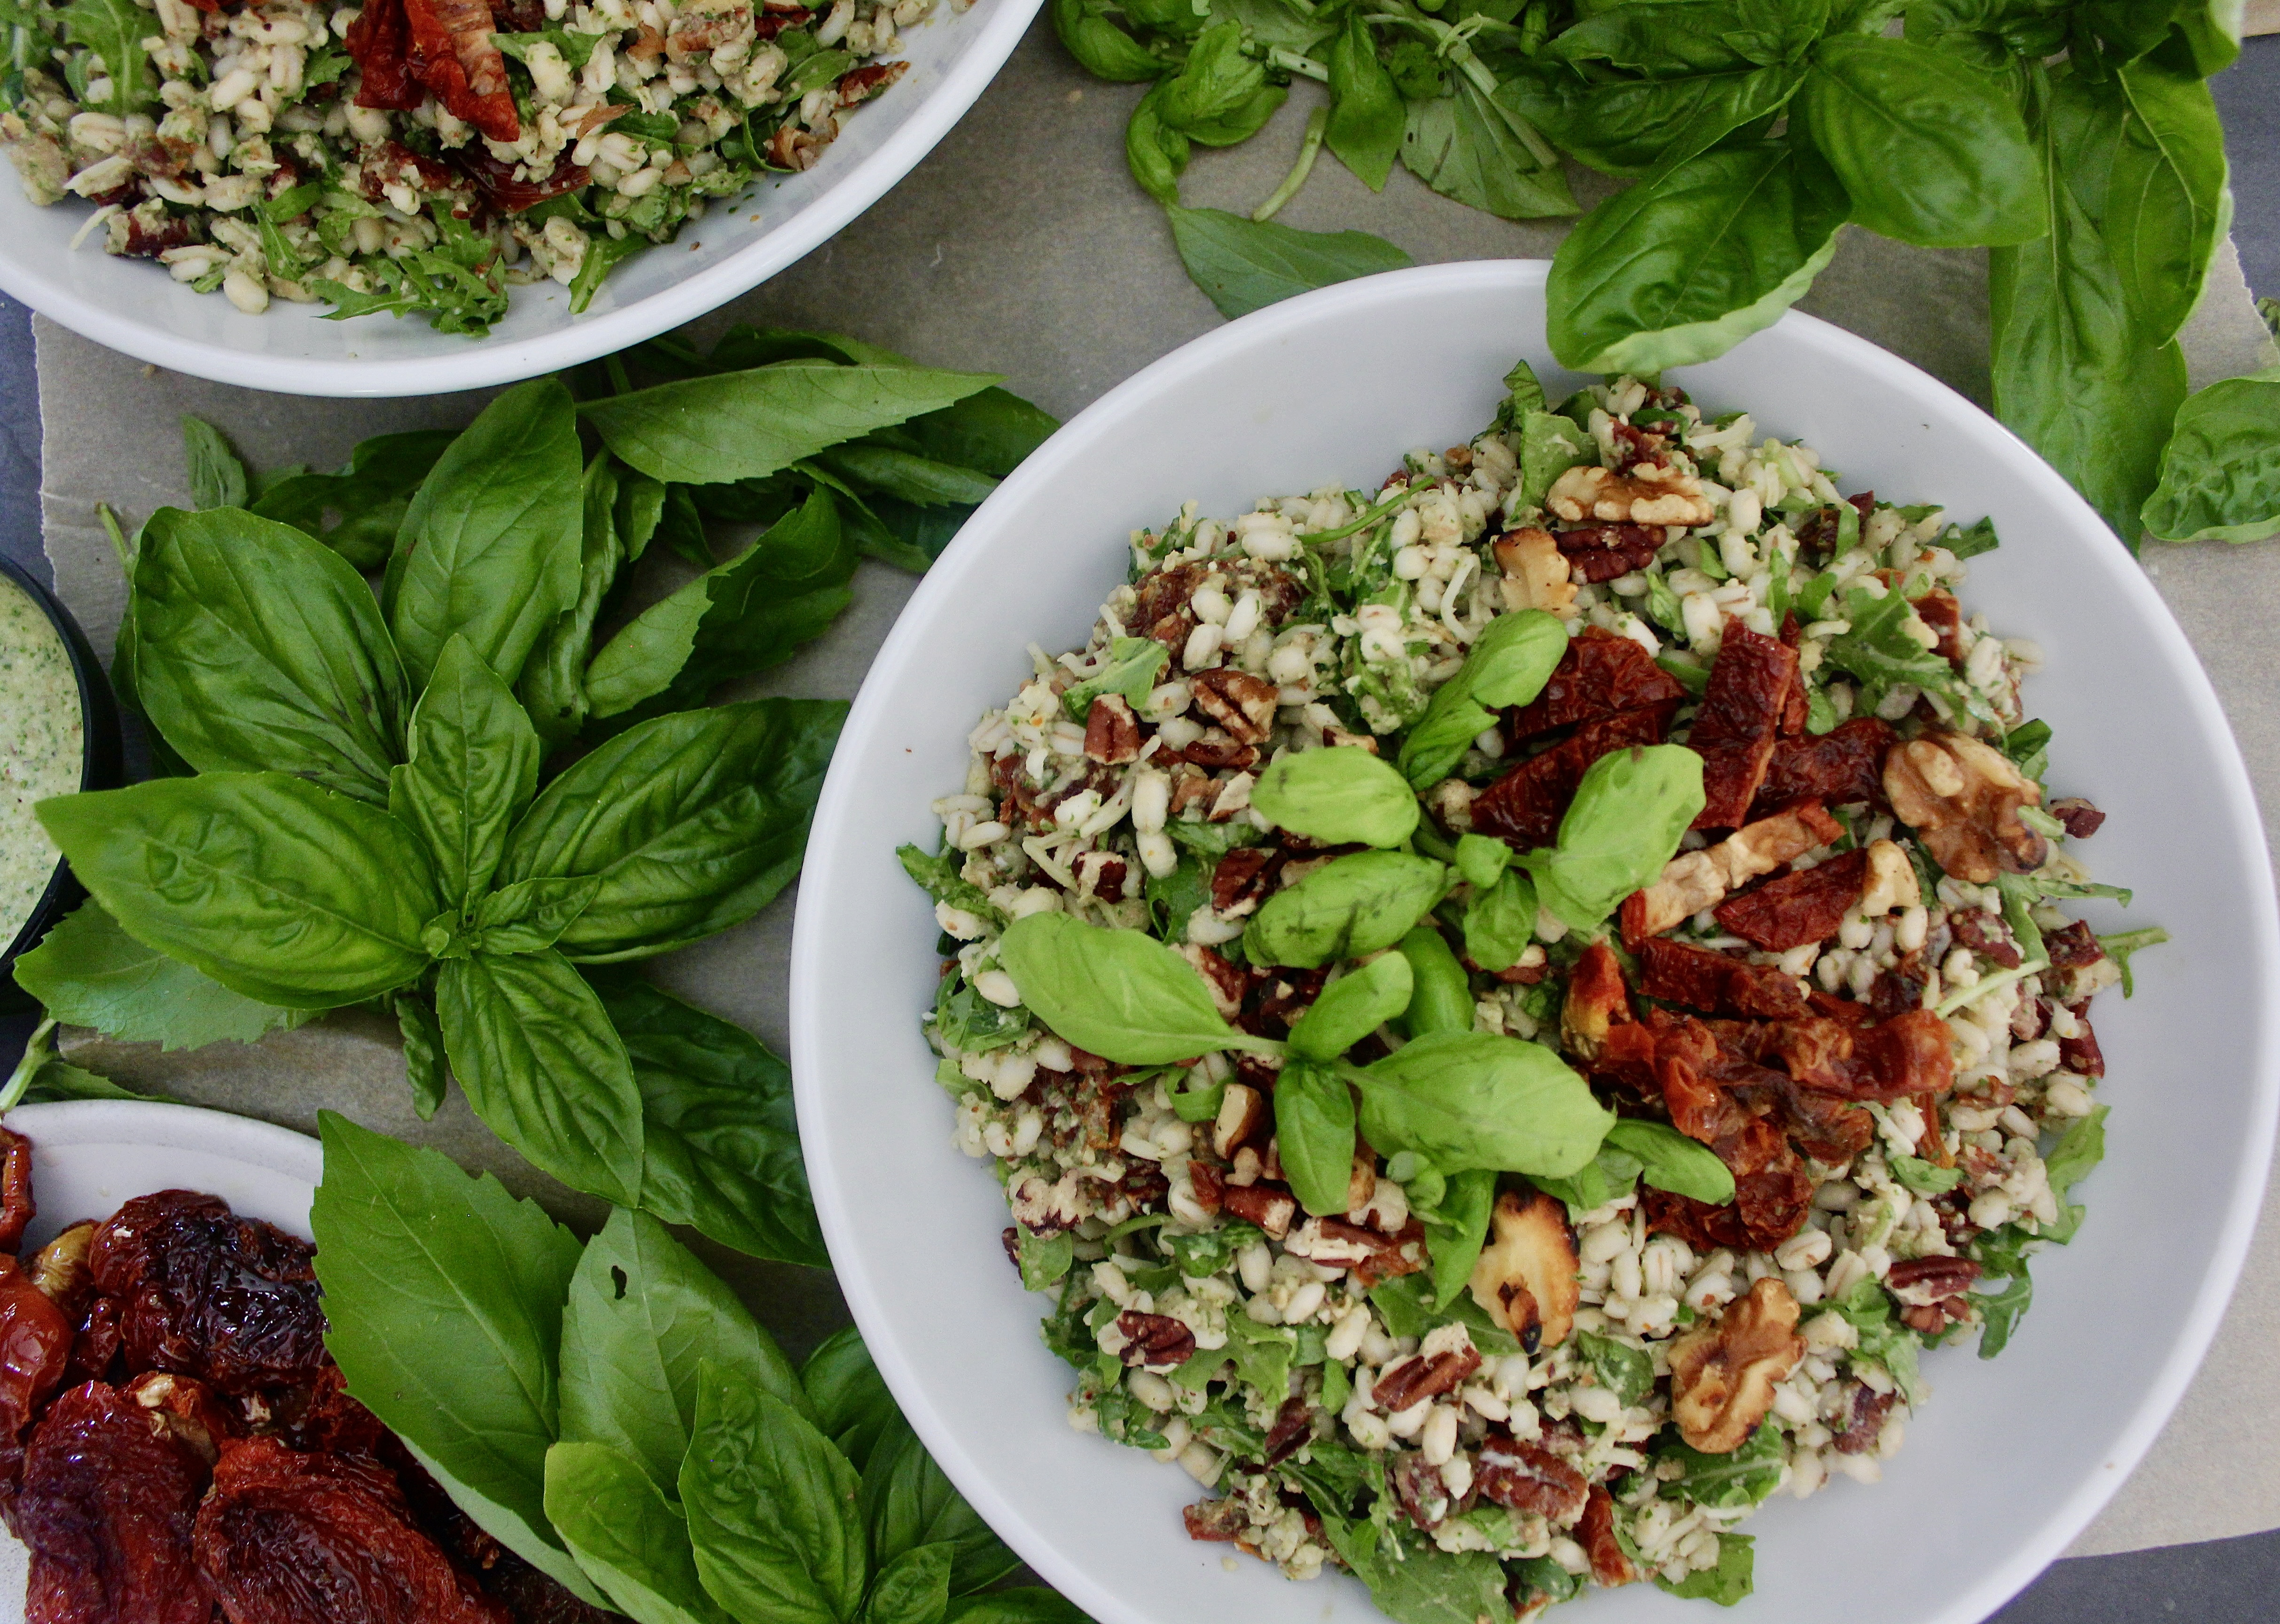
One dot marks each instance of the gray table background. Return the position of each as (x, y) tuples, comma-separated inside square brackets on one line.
[(1095, 311)]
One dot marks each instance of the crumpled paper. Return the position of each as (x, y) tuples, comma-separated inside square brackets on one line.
[(1021, 246)]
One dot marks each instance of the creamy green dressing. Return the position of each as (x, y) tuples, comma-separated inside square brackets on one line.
[(42, 748)]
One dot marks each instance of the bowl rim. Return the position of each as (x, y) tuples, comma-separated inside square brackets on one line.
[(486, 362), (101, 766), (811, 1003)]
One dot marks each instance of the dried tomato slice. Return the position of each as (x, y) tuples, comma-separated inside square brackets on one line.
[(1798, 908), (1523, 808), (1679, 972), (496, 182), (408, 47), (17, 1207), (1734, 730), (1599, 675), (1840, 768)]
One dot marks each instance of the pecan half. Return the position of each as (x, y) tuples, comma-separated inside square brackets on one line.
[(1962, 798), (1723, 1375), (1440, 1367), (1157, 1341), (1242, 704), (1525, 1278), (1921, 1281), (1863, 1419), (1694, 880), (1595, 1531), (1528, 1477), (1111, 732), (1271, 1209), (2081, 819), (1643, 494)]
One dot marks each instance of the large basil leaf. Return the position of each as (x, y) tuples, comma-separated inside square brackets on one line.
[(1465, 146), (852, 1405), (913, 1588), (1630, 811), (2220, 472), (1508, 665), (357, 512), (1927, 155), (920, 480), (2076, 374), (1352, 1007), (992, 431), (473, 767), (1367, 117), (1693, 259), (1659, 39), (691, 822), (1337, 795), (490, 543), (553, 684), (721, 1146), (260, 649), (1246, 264), (630, 1538), (276, 889), (2164, 201), (89, 972), (771, 1508), (907, 1503), (543, 1068), (443, 1306), (1465, 1100), (1455, 1226), (217, 477), (738, 426), (1118, 993), (1624, 127), (1350, 906), (642, 1315), (1315, 1130)]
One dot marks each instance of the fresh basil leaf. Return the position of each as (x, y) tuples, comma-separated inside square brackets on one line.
[(641, 1314), (1100, 47), (1482, 859), (628, 1537), (217, 477), (1217, 80), (1157, 155), (1314, 1128), (530, 915), (1441, 999), (720, 1147), (1694, 258), (1500, 922), (2221, 471), (908, 1505), (1630, 811), (1133, 665), (489, 546), (920, 480), (1352, 1007), (113, 30), (1350, 906), (1925, 1178), (2076, 375), (443, 1307), (1625, 1371), (280, 890), (1336, 796), (424, 1068), (692, 822), (912, 1589), (1028, 1604), (1672, 1161), (1463, 1100), (852, 1405), (1116, 993), (355, 511), (1728, 1584), (1466, 146), (1244, 265), (553, 684), (1508, 664), (1743, 1476), (543, 1068), (771, 1508), (1366, 119), (1550, 445), (746, 425), (1659, 39), (2164, 195), (257, 649), (473, 767), (992, 432), (1624, 125), (1455, 1228), (89, 972)]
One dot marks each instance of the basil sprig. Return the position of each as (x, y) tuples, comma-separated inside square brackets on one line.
[(1509, 664), (1350, 906), (1630, 811)]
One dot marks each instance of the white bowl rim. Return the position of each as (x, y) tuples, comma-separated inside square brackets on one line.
[(487, 362), (168, 1124), (811, 998)]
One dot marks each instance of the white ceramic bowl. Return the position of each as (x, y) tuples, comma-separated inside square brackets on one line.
[(133, 305), (2010, 1459), (90, 1157)]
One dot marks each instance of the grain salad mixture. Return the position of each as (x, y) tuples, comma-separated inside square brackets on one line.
[(423, 156), (1511, 1009)]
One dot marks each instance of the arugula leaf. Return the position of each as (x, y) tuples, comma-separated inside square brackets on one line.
[(1743, 1476), (851, 1402), (576, 48), (1883, 1338), (1925, 1178), (1625, 1371), (443, 1306), (1422, 1584), (1132, 668), (907, 1503), (113, 30), (1243, 265), (2120, 947), (626, 1535), (1728, 1584), (91, 973)]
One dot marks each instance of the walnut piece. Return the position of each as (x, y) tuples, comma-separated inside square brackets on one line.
[(1537, 574), (1693, 881), (1646, 493), (1891, 881), (1962, 798), (1723, 1375), (1525, 1278)]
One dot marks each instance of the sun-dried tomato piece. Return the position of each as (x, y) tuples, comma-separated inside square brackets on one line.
[(1773, 1202), (1680, 972), (1701, 1225), (17, 1207), (380, 41), (205, 1293), (2072, 946), (106, 1506), (1900, 1058), (1601, 552), (405, 49), (35, 1344), (497, 183), (1798, 908), (1599, 675), (1523, 808), (287, 1538), (1797, 707), (1735, 730), (1840, 768)]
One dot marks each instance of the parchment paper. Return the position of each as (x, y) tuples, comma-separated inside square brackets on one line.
[(1021, 246)]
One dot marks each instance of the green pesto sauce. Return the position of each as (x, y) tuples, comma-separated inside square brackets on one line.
[(42, 749)]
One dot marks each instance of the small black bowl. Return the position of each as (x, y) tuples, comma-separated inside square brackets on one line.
[(101, 767)]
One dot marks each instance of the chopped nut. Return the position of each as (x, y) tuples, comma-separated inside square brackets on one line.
[(1453, 804), (1891, 881), (2080, 818), (1528, 1477), (1242, 1111), (1525, 1278), (1693, 881), (1242, 704), (1440, 1367), (1271, 1209), (1228, 982), (1962, 798), (1595, 1531), (1723, 1375), (1645, 493), (1111, 732), (1361, 1184), (1537, 574), (1157, 1341)]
